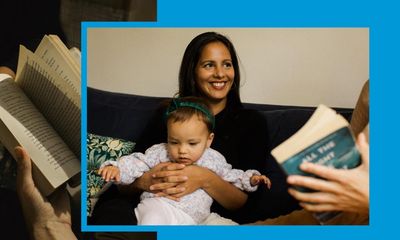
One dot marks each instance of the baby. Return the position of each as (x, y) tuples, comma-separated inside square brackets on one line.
[(189, 125)]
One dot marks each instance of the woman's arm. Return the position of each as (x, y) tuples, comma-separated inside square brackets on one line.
[(226, 194), (343, 190), (360, 116)]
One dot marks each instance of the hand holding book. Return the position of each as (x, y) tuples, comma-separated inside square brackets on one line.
[(40, 110), (325, 140), (339, 190), (46, 217)]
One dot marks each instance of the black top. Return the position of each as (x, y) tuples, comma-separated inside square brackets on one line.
[(241, 137)]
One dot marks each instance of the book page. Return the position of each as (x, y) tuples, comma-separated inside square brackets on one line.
[(76, 55), (66, 52), (323, 122), (30, 129), (55, 54), (55, 98)]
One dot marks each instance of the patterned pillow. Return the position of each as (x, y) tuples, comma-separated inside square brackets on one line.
[(100, 149)]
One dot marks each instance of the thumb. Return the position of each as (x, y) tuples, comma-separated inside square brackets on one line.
[(24, 172), (32, 202)]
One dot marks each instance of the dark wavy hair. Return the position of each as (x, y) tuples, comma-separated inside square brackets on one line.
[(187, 72)]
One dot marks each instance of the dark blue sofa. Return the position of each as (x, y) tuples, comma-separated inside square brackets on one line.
[(126, 115)]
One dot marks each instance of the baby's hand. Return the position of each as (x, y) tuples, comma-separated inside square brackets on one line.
[(110, 173), (258, 179)]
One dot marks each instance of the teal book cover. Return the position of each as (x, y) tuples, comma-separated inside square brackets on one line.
[(336, 150)]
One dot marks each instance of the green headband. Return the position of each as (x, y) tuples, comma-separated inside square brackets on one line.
[(177, 103)]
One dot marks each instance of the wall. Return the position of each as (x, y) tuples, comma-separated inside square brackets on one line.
[(288, 66), (73, 12)]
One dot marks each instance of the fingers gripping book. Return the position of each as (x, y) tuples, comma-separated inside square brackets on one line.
[(41, 111)]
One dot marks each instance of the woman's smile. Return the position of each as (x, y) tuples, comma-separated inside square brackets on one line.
[(218, 85)]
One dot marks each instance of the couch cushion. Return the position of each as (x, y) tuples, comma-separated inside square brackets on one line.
[(126, 115), (119, 115), (281, 124), (100, 149)]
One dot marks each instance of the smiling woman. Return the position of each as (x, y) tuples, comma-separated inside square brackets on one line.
[(284, 66), (210, 71), (215, 74)]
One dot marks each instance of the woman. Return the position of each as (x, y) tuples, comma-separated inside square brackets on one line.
[(210, 69)]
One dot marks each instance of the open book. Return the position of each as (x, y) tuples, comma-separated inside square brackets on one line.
[(41, 111), (325, 139)]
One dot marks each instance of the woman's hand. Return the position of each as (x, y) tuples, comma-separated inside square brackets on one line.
[(153, 181), (184, 181), (46, 218), (340, 190), (173, 180), (192, 178), (178, 181)]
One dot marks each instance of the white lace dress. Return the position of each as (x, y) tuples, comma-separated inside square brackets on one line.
[(197, 204)]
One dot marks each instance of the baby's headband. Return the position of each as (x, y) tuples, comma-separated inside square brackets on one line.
[(177, 103)]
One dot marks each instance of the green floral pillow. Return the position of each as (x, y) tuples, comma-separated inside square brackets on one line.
[(99, 150)]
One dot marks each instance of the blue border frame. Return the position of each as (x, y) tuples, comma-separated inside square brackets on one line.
[(384, 45)]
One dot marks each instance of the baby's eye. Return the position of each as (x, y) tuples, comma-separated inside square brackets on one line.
[(172, 142), (193, 144)]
